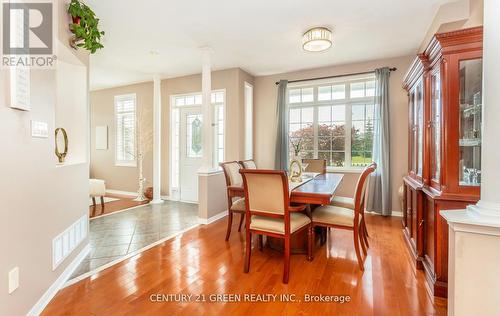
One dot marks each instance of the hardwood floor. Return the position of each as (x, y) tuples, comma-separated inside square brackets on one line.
[(124, 202), (200, 262)]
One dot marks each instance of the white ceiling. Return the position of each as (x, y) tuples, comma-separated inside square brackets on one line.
[(259, 36)]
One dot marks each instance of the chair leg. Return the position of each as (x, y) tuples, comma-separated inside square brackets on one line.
[(229, 224), (286, 271), (248, 252), (310, 240), (93, 201), (323, 235), (102, 202), (364, 227), (365, 235), (356, 247), (261, 243), (241, 221), (361, 235)]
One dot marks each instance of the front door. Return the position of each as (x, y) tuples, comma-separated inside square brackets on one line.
[(191, 152)]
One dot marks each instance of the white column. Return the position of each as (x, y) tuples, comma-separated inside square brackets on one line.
[(474, 233), (489, 205), (206, 88), (156, 140)]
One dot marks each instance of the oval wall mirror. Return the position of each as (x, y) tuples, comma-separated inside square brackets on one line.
[(61, 139)]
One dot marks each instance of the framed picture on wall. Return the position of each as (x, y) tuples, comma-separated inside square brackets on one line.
[(20, 88)]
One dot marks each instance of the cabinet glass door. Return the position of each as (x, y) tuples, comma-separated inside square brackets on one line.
[(435, 126), (413, 130), (470, 100), (419, 122)]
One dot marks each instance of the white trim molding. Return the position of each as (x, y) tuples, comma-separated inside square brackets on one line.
[(216, 217), (38, 308), (119, 192)]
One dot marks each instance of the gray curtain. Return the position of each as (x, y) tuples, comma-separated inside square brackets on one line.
[(281, 154), (379, 190)]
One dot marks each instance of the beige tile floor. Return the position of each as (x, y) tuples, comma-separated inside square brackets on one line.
[(116, 235)]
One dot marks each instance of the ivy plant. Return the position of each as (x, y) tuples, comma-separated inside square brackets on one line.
[(85, 26)]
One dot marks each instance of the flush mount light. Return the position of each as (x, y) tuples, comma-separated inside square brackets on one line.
[(317, 39)]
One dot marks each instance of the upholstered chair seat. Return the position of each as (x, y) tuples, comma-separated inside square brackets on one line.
[(343, 201), (238, 205), (334, 215), (277, 225)]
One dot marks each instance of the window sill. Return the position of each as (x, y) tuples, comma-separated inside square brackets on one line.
[(130, 165), (344, 170)]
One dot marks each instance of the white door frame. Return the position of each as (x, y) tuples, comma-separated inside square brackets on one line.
[(175, 194)]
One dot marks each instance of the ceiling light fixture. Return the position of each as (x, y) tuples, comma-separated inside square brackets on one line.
[(317, 39)]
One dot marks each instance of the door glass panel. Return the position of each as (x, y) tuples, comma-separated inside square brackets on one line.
[(436, 126), (470, 99), (194, 146)]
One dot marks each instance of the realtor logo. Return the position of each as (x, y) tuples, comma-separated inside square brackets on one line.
[(28, 34)]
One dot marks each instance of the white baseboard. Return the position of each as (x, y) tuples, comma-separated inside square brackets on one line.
[(38, 308), (126, 193), (213, 218), (393, 213), (397, 214), (168, 198)]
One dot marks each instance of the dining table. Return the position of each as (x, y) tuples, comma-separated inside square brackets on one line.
[(314, 191)]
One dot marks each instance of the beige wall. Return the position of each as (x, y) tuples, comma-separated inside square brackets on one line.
[(454, 15), (265, 117), (102, 162), (102, 113), (39, 199)]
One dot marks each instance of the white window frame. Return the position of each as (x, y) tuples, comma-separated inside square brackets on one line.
[(248, 95), (125, 163), (347, 102)]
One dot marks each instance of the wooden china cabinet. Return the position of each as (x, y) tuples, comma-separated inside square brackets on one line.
[(444, 86)]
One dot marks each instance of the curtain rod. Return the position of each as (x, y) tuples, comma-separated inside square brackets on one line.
[(336, 76)]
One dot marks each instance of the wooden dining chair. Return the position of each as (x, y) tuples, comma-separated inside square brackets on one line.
[(345, 218), (235, 193), (248, 164), (348, 202), (315, 165), (269, 213)]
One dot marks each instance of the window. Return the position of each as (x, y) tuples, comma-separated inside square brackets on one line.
[(248, 121), (125, 115), (322, 114), (218, 104)]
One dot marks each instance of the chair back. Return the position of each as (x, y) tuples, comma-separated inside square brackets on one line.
[(315, 165), (232, 173), (248, 164), (359, 197), (266, 194)]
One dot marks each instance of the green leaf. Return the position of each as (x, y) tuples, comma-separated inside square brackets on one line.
[(88, 29)]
